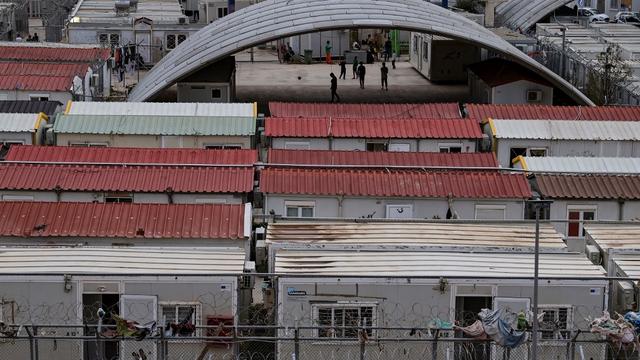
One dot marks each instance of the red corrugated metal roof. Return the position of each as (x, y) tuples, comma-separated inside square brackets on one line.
[(460, 184), (328, 157), (53, 54), (36, 83), (425, 111), (144, 221), (131, 155), (548, 112), (126, 178), (373, 128), (589, 186), (43, 69)]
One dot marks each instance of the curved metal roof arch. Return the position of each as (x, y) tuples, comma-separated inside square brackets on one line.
[(275, 19), (523, 14)]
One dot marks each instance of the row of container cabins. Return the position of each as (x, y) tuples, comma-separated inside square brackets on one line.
[(87, 220)]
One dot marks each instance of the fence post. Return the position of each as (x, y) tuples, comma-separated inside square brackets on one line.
[(162, 347), (434, 354), (296, 344), (33, 342), (362, 344)]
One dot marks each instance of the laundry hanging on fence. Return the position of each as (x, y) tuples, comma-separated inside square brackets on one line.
[(475, 330), (128, 328), (499, 330)]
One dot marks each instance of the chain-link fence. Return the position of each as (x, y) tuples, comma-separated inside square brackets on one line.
[(300, 344)]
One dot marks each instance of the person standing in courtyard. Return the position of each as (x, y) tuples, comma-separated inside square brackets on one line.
[(334, 88), (384, 77), (343, 69), (327, 51), (362, 71), (355, 67)]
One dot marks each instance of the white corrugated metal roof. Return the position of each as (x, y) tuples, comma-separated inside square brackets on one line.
[(567, 130), (614, 236), (629, 264), (398, 234), (17, 123), (163, 109), (588, 165), (336, 263), (103, 11), (125, 261)]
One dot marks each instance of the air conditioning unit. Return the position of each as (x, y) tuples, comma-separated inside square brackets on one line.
[(627, 293), (534, 96), (594, 254), (122, 7), (182, 20)]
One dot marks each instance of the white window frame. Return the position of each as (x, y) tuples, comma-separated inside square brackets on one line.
[(175, 305), (376, 142), (448, 146), (389, 207), (110, 37), (546, 151), (222, 146), (315, 307), (10, 197), (88, 144), (300, 205), (118, 197), (39, 97), (537, 91), (490, 207), (297, 145), (556, 308), (176, 40), (582, 209), (406, 146), (224, 9), (12, 142), (210, 201)]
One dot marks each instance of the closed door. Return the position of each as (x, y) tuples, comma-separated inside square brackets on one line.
[(143, 40)]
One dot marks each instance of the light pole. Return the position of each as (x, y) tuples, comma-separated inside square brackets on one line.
[(539, 204)]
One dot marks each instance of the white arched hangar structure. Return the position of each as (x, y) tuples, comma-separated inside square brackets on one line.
[(275, 19)]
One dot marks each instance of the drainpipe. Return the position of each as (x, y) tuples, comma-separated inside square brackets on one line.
[(169, 192), (620, 209), (340, 200), (58, 191)]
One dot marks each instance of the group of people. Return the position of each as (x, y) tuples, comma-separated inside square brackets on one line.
[(359, 72), (34, 38), (286, 53)]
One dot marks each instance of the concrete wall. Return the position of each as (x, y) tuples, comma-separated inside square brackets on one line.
[(202, 92), (140, 198), (402, 304), (153, 141), (567, 148), (62, 97), (415, 145), (42, 300), (25, 137), (352, 207)]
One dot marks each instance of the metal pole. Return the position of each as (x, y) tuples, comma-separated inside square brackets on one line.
[(564, 50), (296, 344), (536, 269)]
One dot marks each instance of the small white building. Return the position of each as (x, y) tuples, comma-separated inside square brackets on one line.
[(382, 289), (215, 83), (149, 28), (513, 138), (234, 129), (63, 288), (374, 134), (617, 248), (8, 30), (442, 59), (393, 193), (499, 81), (23, 129)]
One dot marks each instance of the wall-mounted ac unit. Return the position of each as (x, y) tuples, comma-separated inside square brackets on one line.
[(594, 255), (534, 96), (182, 20), (627, 293)]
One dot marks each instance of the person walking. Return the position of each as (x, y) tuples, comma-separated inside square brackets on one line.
[(362, 71), (384, 76), (388, 45), (334, 88), (327, 51), (343, 69), (355, 67)]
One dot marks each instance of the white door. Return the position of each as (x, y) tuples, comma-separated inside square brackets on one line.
[(143, 40), (144, 310)]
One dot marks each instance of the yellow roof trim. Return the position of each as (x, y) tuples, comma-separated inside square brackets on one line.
[(255, 110), (67, 110), (520, 159), (41, 117)]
